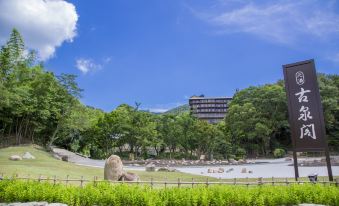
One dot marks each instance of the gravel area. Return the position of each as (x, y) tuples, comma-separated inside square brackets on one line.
[(259, 167)]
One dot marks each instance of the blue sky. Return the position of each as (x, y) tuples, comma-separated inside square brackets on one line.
[(159, 53)]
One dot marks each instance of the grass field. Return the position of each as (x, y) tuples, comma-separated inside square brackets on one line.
[(47, 166)]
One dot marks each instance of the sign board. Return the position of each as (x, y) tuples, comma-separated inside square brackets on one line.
[(304, 106), (305, 111)]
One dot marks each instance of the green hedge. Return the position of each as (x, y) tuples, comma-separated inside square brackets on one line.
[(108, 194)]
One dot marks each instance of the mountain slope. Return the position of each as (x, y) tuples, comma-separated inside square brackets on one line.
[(179, 110)]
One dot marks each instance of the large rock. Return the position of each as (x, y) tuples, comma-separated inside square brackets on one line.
[(241, 161), (166, 169), (15, 158), (128, 176), (233, 161), (310, 205), (150, 167), (64, 158), (244, 170), (113, 168), (221, 170), (229, 170), (28, 155)]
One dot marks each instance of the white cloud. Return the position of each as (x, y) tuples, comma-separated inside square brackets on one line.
[(278, 21), (87, 65), (44, 24)]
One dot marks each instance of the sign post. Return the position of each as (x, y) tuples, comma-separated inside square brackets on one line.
[(305, 111)]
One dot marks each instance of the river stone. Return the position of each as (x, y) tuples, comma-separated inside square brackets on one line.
[(244, 170), (113, 168), (15, 158), (28, 155)]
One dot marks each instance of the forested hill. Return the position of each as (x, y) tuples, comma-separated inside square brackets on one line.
[(179, 110)]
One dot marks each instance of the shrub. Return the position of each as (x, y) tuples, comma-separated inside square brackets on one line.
[(240, 153), (123, 194), (279, 153)]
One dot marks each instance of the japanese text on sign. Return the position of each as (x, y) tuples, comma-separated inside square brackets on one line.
[(307, 129)]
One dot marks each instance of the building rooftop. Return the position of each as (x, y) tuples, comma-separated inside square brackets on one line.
[(203, 97)]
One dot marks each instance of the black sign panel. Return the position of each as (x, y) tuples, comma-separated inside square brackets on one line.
[(304, 106)]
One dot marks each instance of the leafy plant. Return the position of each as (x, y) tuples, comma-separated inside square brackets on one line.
[(122, 194), (279, 153)]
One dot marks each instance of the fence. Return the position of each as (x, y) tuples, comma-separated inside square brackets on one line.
[(179, 183)]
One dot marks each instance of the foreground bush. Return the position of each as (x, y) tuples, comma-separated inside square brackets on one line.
[(108, 194), (279, 153)]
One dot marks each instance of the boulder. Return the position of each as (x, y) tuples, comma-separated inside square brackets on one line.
[(113, 168), (15, 158), (229, 170), (244, 170), (221, 170), (28, 155), (64, 158), (128, 176), (241, 161), (224, 162), (28, 204), (166, 169), (210, 170), (150, 167), (250, 171), (233, 161), (32, 204)]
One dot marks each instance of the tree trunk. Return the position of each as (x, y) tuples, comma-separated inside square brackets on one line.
[(25, 132), (54, 137)]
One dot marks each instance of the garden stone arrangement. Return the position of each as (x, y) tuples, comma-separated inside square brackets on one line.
[(114, 170), (26, 155)]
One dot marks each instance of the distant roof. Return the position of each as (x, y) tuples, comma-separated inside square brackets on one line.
[(198, 97)]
